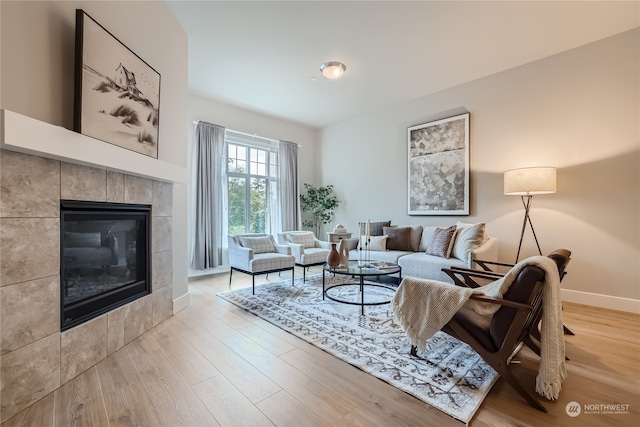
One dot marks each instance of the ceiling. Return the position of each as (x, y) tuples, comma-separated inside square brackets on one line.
[(261, 55)]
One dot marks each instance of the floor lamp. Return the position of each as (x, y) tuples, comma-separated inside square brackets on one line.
[(526, 183)]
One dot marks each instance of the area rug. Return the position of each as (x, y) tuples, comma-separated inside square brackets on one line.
[(449, 376)]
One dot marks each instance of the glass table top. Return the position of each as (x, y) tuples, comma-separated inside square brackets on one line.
[(372, 268)]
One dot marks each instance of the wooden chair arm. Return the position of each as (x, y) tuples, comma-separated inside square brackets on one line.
[(485, 264), (466, 277), (507, 303), (478, 273)]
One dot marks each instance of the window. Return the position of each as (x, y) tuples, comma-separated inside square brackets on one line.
[(252, 173)]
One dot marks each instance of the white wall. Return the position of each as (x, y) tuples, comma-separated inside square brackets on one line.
[(243, 120), (38, 45), (578, 111)]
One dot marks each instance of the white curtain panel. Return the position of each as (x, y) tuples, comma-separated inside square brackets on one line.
[(208, 181), (289, 189)]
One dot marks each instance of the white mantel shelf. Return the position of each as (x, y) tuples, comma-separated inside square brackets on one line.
[(31, 136)]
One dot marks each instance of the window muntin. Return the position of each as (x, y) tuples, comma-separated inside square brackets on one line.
[(252, 189)]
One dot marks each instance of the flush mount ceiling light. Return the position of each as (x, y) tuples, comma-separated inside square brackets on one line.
[(333, 69)]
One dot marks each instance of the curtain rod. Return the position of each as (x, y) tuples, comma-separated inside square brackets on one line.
[(195, 122)]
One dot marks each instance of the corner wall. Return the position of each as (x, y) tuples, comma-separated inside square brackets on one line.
[(577, 111), (36, 70)]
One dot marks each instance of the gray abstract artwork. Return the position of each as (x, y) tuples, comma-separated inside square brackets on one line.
[(438, 167)]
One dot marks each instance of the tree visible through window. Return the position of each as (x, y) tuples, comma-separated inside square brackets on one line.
[(252, 176)]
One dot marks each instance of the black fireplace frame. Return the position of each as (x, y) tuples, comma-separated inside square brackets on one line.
[(78, 313)]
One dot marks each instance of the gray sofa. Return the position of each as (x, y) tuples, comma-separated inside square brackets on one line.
[(417, 263)]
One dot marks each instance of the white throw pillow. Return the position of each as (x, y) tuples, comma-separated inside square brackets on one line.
[(466, 224), (376, 243), (468, 237), (307, 240), (260, 245)]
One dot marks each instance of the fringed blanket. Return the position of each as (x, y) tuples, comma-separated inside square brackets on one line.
[(424, 306)]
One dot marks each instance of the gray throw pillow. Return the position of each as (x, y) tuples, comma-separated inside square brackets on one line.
[(441, 243), (375, 228)]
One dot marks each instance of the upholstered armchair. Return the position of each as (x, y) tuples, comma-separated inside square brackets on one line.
[(305, 248), (256, 253)]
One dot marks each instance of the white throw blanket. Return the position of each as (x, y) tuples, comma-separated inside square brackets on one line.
[(424, 306)]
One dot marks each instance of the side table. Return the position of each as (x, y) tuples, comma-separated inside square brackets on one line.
[(336, 237)]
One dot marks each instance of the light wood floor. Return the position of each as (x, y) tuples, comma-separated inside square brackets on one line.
[(214, 364)]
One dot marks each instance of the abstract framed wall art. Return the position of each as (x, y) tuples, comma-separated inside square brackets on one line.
[(117, 94), (438, 167)]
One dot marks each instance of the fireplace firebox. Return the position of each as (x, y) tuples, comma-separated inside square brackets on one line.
[(104, 258)]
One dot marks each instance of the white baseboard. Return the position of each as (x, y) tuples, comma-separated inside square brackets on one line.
[(604, 301), (181, 303)]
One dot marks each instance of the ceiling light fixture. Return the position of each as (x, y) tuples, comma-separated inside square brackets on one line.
[(333, 69)]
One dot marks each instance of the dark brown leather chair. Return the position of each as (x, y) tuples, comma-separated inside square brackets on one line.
[(497, 338), (475, 278)]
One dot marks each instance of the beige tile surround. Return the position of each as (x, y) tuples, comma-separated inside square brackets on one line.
[(35, 357)]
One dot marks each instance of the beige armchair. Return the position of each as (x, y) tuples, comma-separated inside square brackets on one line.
[(256, 253), (305, 248)]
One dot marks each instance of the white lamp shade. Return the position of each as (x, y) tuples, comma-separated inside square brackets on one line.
[(333, 69), (529, 181)]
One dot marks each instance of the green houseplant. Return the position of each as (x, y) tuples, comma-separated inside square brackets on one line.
[(319, 203)]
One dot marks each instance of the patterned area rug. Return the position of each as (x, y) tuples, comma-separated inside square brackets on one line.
[(449, 376)]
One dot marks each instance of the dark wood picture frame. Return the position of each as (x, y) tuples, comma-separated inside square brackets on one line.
[(117, 94)]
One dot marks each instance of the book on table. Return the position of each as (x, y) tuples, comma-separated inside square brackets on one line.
[(383, 265)]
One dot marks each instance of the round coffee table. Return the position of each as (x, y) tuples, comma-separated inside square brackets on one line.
[(355, 270)]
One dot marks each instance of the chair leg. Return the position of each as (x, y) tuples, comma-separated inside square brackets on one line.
[(253, 284), (513, 381), (293, 276), (304, 274), (230, 274), (414, 351)]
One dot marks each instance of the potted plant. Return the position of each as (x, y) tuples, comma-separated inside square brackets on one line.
[(319, 203)]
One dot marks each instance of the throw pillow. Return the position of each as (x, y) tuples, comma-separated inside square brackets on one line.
[(441, 242), (399, 238), (260, 245), (468, 238), (307, 240), (460, 225), (375, 228), (416, 235), (376, 243)]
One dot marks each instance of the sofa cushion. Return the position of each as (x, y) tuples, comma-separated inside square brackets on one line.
[(468, 237), (260, 244), (375, 228), (376, 243), (460, 225), (314, 256), (425, 238), (399, 239), (419, 264), (442, 242), (416, 234), (306, 239), (386, 256)]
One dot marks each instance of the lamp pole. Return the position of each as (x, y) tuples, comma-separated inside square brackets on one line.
[(527, 206)]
